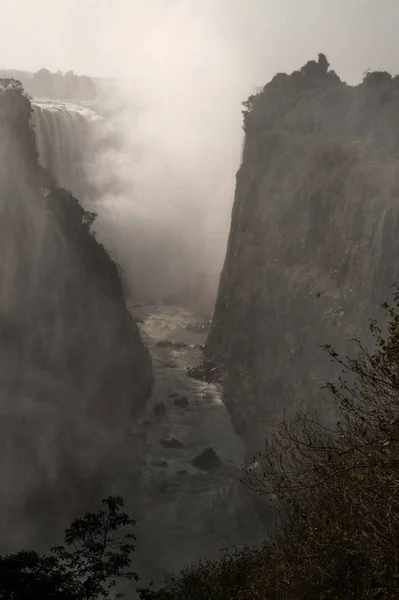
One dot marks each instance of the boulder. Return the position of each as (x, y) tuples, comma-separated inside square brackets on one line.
[(207, 371), (159, 409), (172, 443), (206, 460), (180, 345), (160, 463), (181, 402), (164, 344)]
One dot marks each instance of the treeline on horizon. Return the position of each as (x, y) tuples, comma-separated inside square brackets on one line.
[(54, 86)]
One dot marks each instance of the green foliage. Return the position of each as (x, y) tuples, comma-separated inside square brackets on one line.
[(96, 555), (337, 489)]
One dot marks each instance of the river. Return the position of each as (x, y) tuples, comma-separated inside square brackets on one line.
[(187, 513)]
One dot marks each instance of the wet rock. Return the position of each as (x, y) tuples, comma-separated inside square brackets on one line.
[(159, 409), (174, 395), (207, 371), (170, 364), (181, 402), (164, 488), (138, 320), (206, 460), (146, 423), (160, 463), (201, 326), (180, 345), (164, 344), (200, 346), (172, 443)]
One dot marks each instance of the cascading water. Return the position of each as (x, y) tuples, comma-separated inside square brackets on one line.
[(63, 134)]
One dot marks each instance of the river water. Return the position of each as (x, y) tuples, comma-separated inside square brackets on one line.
[(186, 513)]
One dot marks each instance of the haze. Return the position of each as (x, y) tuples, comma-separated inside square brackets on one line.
[(188, 65), (112, 37)]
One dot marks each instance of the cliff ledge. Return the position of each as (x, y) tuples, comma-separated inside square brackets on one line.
[(314, 239)]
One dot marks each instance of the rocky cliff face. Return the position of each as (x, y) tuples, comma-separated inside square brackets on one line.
[(73, 368), (314, 240)]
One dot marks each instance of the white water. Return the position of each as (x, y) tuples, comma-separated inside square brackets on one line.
[(63, 132)]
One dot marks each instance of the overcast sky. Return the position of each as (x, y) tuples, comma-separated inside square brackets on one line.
[(123, 38)]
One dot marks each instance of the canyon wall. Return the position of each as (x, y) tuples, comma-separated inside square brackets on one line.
[(73, 369), (314, 239)]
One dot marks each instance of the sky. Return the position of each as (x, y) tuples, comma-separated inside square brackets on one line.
[(109, 37)]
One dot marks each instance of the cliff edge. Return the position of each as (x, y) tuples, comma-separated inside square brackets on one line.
[(73, 368), (314, 239)]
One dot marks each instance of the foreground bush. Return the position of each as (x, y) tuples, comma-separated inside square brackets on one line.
[(96, 556)]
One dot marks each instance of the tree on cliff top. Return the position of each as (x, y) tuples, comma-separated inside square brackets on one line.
[(97, 553), (337, 489)]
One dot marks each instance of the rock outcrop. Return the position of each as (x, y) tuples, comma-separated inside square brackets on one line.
[(207, 460), (314, 240), (73, 368)]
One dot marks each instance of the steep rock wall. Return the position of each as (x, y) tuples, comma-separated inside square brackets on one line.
[(73, 368), (314, 239)]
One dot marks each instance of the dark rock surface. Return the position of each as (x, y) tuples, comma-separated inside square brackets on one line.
[(207, 371), (159, 409), (314, 238), (180, 345), (181, 402), (72, 361), (164, 344), (206, 460), (160, 463), (172, 443)]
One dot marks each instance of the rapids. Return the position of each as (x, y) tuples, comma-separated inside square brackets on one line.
[(186, 513)]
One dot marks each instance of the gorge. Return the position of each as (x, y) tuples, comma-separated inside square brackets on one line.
[(86, 435), (95, 393)]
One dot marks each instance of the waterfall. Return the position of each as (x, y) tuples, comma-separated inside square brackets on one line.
[(63, 134)]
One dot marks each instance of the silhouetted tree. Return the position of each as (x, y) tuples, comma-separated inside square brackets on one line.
[(323, 63), (96, 555)]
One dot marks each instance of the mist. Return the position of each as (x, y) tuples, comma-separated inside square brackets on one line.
[(164, 185), (178, 129)]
